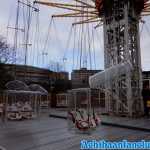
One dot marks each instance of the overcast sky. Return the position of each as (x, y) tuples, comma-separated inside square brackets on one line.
[(57, 47)]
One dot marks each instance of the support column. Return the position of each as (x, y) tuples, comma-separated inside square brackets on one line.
[(121, 40)]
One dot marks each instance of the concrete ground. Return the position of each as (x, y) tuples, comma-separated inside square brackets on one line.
[(45, 133), (142, 124)]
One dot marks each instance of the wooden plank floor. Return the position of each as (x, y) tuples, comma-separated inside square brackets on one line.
[(47, 133)]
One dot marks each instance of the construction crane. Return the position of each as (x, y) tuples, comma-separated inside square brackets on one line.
[(120, 20)]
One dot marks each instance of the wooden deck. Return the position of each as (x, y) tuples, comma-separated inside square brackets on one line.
[(47, 133)]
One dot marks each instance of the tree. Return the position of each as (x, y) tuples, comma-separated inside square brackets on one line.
[(5, 76), (6, 56), (6, 52)]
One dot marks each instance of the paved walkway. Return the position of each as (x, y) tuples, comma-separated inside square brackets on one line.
[(130, 123), (47, 133)]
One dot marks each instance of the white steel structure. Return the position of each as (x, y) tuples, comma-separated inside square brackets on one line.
[(120, 19), (122, 45)]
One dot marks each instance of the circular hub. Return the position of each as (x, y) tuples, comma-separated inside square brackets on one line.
[(98, 4)]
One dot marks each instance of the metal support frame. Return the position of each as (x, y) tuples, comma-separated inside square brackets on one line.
[(121, 42)]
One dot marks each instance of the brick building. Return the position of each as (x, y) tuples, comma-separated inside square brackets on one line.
[(30, 75), (80, 78), (146, 77)]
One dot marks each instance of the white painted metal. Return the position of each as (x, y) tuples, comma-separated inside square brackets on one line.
[(121, 42), (99, 80)]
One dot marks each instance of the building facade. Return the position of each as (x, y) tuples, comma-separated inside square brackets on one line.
[(30, 75), (80, 78), (146, 77)]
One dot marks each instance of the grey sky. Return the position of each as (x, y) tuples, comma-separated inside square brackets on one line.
[(57, 50)]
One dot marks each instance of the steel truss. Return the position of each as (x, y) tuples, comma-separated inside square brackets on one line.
[(121, 42)]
